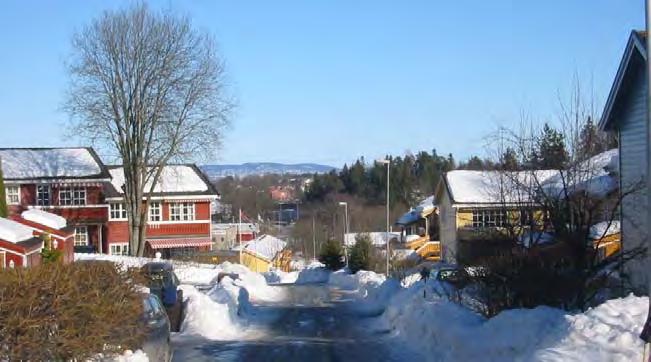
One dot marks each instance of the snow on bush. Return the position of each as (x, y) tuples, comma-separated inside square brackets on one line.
[(438, 327)]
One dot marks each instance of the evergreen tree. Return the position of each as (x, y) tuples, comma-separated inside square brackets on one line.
[(592, 141), (4, 212), (360, 254), (332, 255), (551, 152), (509, 160)]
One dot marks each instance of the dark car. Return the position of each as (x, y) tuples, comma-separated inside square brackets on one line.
[(157, 344), (163, 282)]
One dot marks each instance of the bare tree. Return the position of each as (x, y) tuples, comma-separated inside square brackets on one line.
[(150, 88)]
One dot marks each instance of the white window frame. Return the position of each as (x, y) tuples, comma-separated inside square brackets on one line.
[(81, 235), (182, 211), (42, 190), (119, 249), (13, 194), (489, 218), (117, 211), (158, 215), (76, 196)]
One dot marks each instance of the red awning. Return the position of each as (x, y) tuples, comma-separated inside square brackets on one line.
[(179, 243)]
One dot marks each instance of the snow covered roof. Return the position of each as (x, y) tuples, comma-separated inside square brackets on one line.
[(51, 163), (266, 246), (423, 209), (13, 231), (378, 238), (174, 180), (604, 228), (596, 176), (493, 187), (45, 218)]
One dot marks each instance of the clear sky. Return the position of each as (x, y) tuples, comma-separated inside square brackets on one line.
[(329, 81)]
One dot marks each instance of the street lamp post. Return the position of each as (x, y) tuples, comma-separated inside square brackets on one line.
[(388, 243), (345, 205)]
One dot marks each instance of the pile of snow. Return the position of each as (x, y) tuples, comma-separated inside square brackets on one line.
[(130, 356), (605, 228), (595, 176), (532, 238), (173, 178), (45, 218), (26, 163), (265, 246), (378, 238), (438, 327), (188, 272), (312, 273), (13, 231)]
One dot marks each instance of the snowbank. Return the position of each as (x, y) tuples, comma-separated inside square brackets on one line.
[(451, 332), (130, 356), (312, 273)]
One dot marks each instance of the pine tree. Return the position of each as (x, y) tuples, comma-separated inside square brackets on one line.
[(509, 160), (360, 254), (551, 152), (332, 255), (4, 212)]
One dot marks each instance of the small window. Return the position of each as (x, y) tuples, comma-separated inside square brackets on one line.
[(81, 236), (43, 195), (72, 196), (13, 195), (488, 218), (117, 212), (120, 249), (154, 211)]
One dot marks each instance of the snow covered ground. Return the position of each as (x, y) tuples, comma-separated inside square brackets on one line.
[(430, 325), (449, 332)]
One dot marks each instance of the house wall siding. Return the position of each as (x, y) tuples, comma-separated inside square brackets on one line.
[(632, 121), (448, 227)]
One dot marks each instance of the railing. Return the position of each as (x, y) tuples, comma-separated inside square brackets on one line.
[(417, 243), (431, 250)]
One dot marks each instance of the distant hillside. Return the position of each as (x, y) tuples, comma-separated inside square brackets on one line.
[(262, 168)]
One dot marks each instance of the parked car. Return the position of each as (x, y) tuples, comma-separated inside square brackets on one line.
[(157, 344), (163, 282)]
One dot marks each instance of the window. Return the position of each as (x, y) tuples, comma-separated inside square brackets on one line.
[(81, 236), (43, 195), (120, 249), (72, 196), (154, 211), (182, 211), (13, 195), (117, 212), (488, 218)]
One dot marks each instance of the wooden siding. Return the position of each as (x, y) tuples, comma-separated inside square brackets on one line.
[(448, 227), (632, 126)]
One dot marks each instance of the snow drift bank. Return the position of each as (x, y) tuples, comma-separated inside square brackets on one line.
[(449, 332), (222, 312), (312, 273)]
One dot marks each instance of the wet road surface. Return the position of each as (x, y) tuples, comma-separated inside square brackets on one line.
[(315, 323)]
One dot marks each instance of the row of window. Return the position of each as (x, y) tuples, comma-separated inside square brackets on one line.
[(179, 211), (486, 218), (68, 196)]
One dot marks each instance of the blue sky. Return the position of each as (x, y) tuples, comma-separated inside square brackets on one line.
[(329, 81)]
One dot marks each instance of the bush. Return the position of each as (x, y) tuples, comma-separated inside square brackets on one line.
[(332, 255), (68, 312), (361, 254)]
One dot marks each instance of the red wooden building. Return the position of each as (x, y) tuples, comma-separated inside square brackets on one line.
[(18, 245), (61, 236), (178, 216), (64, 181)]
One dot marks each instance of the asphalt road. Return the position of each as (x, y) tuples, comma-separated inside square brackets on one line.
[(314, 324)]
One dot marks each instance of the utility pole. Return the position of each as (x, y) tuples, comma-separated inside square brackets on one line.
[(313, 238), (345, 205), (387, 240)]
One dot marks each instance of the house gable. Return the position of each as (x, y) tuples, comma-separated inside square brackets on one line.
[(630, 68)]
